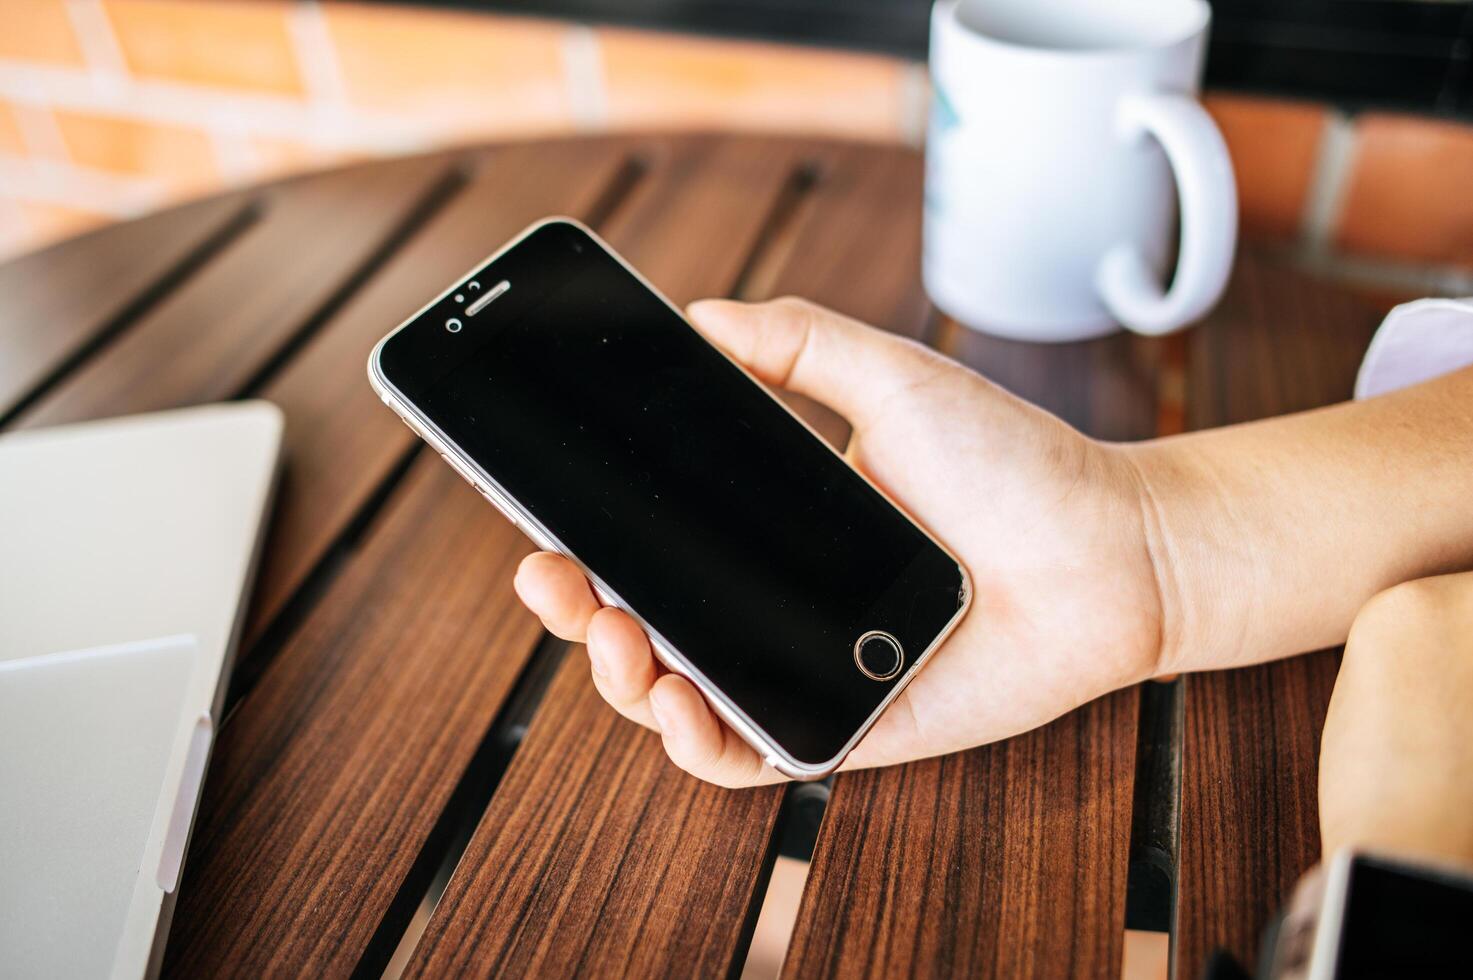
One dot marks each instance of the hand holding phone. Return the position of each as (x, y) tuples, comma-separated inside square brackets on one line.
[(1047, 522), (1065, 605)]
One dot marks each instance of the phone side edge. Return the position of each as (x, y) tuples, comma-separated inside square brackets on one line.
[(1325, 952)]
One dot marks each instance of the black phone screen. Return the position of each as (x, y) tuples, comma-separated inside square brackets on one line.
[(723, 522), (1402, 920)]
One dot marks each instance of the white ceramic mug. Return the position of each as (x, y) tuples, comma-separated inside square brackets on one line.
[(1057, 127)]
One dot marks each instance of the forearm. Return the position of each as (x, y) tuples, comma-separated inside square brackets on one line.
[(1396, 756), (1268, 537)]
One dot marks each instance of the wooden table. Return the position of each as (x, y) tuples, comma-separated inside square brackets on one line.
[(391, 697)]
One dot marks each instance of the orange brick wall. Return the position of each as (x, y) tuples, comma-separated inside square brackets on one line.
[(109, 108)]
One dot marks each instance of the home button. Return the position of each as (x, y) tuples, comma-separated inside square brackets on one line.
[(878, 655)]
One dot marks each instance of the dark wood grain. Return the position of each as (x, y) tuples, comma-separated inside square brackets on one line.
[(598, 857), (1107, 388), (693, 222), (854, 245), (341, 443), (55, 302), (212, 334), (329, 776), (1249, 815), (855, 242), (1010, 859)]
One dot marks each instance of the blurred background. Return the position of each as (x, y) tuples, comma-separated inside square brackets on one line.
[(1348, 120)]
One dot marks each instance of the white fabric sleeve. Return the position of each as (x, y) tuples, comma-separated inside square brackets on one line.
[(1416, 342)]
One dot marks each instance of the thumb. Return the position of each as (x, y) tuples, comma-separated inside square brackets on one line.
[(794, 344)]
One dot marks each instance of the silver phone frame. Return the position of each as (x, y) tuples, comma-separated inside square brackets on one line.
[(460, 461), (1325, 952)]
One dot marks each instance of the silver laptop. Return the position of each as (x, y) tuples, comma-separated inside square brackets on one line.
[(126, 551)]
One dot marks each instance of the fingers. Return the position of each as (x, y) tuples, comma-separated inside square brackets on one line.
[(618, 651), (794, 344), (623, 666), (626, 675), (629, 678), (559, 594), (697, 741)]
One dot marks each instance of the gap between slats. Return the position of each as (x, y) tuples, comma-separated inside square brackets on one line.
[(394, 938), (398, 934), (251, 668), (431, 202), (1155, 829), (231, 229)]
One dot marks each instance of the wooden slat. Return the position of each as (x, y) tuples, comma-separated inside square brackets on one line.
[(210, 336), (856, 248), (55, 302), (691, 226), (1009, 859), (341, 443), (596, 854), (333, 771), (857, 245), (1106, 388), (1249, 815), (331, 774)]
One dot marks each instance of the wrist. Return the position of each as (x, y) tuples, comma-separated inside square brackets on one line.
[(1181, 521)]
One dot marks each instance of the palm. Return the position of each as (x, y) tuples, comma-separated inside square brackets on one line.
[(1066, 606)]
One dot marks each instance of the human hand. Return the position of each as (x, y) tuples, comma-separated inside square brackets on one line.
[(1050, 524), (1396, 757)]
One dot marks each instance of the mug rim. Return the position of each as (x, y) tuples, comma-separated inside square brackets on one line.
[(1201, 19)]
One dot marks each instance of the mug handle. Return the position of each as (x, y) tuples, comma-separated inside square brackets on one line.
[(1209, 219)]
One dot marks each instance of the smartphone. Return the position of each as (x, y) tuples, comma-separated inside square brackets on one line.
[(1369, 915), (791, 591)]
